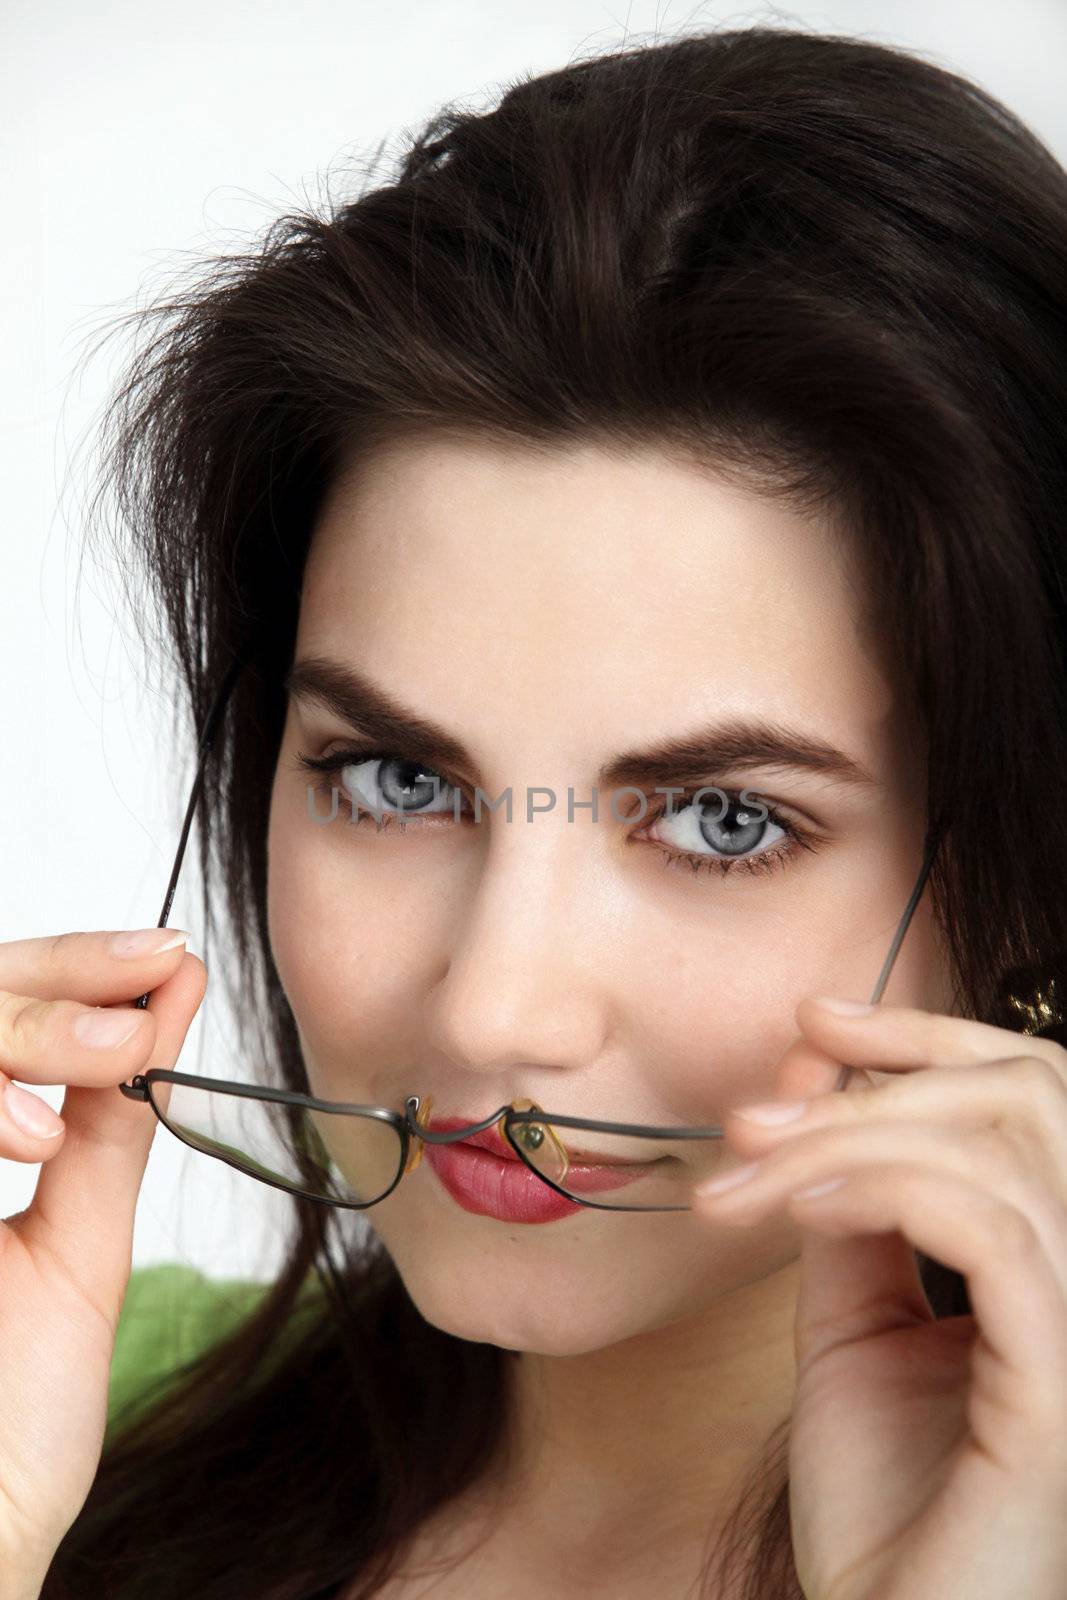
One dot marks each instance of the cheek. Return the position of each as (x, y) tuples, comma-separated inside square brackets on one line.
[(349, 961), (303, 946), (715, 1022), (706, 1029)]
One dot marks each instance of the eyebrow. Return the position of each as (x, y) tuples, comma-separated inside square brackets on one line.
[(740, 742)]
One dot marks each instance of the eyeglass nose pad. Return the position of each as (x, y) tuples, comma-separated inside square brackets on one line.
[(533, 1135), (422, 1117)]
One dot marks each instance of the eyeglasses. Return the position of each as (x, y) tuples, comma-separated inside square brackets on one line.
[(354, 1156)]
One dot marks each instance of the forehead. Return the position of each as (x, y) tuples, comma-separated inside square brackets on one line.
[(616, 590)]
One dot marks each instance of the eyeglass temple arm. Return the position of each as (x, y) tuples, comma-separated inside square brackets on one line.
[(211, 722), (898, 938)]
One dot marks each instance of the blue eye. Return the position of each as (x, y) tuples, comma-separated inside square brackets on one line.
[(723, 826), (380, 783), (723, 834)]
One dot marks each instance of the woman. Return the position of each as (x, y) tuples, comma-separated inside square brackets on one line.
[(715, 388)]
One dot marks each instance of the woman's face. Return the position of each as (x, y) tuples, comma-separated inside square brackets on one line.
[(551, 614)]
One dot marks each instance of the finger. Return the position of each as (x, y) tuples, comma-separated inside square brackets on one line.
[(89, 966), (804, 1071), (83, 1207), (1021, 1099), (29, 1129), (849, 1287), (900, 1039), (48, 1037), (62, 1041), (980, 1156), (1014, 1292)]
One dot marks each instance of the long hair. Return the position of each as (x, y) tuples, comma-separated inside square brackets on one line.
[(825, 266)]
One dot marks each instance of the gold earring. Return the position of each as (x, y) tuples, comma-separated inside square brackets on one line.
[(1033, 1000)]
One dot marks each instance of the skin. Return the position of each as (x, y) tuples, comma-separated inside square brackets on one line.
[(552, 611)]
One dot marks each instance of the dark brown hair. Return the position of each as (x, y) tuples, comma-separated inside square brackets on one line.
[(825, 265)]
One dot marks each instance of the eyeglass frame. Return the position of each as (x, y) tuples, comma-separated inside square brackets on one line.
[(406, 1122)]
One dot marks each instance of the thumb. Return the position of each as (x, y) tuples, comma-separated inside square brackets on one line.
[(86, 1196), (804, 1071)]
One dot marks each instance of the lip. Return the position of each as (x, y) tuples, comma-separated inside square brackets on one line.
[(490, 1139), (483, 1175), (494, 1140)]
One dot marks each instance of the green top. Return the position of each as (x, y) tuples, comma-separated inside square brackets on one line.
[(170, 1315)]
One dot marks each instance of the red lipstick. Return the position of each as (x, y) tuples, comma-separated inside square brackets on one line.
[(484, 1175), (491, 1139)]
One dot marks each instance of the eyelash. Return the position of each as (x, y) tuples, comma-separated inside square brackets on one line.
[(780, 855)]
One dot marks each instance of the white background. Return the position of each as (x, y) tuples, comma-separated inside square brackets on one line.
[(136, 139)]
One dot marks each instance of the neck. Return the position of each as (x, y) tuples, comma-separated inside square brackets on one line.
[(633, 1455)]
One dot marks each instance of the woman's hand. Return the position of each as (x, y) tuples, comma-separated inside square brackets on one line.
[(927, 1458), (65, 1260)]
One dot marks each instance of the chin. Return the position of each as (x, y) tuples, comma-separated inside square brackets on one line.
[(519, 1325), (562, 1314)]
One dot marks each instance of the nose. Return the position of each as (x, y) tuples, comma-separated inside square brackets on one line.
[(526, 983)]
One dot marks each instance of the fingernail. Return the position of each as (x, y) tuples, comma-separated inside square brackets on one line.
[(31, 1114), (147, 941), (844, 1008), (770, 1113), (817, 1189), (102, 1027), (728, 1180)]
